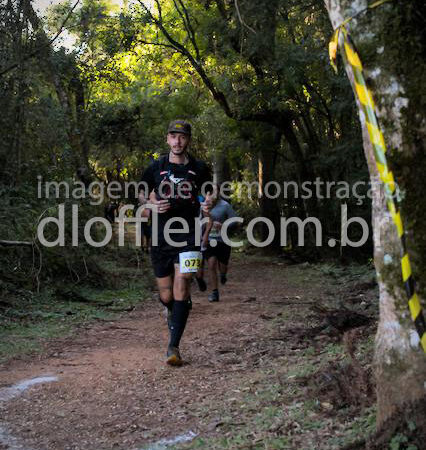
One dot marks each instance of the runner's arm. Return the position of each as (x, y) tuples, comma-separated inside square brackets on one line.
[(206, 178), (148, 178), (207, 232)]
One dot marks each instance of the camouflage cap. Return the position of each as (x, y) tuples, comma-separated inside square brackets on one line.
[(179, 126)]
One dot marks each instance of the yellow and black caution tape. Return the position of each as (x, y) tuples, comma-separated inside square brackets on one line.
[(376, 136)]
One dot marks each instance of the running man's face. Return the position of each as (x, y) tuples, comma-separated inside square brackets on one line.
[(178, 142)]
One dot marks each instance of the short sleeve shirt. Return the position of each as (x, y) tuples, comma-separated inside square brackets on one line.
[(181, 184), (221, 212)]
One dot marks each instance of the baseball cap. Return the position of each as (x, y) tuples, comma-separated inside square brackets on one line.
[(179, 126)]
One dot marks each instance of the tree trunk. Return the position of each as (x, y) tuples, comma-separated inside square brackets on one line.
[(220, 167), (391, 42), (305, 172), (21, 95), (268, 204), (71, 99)]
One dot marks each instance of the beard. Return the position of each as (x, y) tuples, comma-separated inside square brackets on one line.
[(178, 150)]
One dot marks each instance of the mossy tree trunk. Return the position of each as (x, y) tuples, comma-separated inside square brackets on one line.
[(391, 41)]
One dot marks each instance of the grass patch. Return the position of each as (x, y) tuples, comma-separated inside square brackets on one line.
[(274, 412), (28, 320), (278, 406)]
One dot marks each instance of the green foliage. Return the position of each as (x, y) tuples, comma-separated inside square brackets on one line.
[(28, 319), (99, 111), (399, 442)]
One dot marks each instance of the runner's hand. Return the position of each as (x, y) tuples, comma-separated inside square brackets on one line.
[(161, 206), (217, 225)]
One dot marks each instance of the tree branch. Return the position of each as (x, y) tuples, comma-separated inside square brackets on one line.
[(159, 44), (236, 45), (217, 95), (187, 28), (190, 30), (275, 117), (41, 47), (160, 13), (15, 243), (241, 19)]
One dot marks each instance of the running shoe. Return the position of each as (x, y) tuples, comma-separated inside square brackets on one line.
[(223, 278), (214, 296), (173, 356)]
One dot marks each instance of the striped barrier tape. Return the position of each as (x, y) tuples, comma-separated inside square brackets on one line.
[(377, 140)]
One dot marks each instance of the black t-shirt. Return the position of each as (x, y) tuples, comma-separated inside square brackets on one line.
[(181, 185)]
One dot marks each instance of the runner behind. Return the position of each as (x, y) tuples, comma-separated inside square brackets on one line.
[(217, 253)]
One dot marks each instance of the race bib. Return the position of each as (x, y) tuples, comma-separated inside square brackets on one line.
[(189, 262)]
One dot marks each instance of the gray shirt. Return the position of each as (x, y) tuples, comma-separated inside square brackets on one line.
[(221, 212)]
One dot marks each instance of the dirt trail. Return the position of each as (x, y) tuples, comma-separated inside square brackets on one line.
[(114, 390)]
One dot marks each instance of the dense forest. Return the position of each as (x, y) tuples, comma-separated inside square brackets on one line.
[(263, 108), (88, 87)]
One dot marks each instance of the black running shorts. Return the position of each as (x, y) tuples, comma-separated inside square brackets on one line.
[(222, 252), (164, 257)]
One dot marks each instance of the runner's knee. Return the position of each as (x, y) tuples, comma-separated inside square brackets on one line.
[(212, 263), (183, 279), (166, 294), (181, 287)]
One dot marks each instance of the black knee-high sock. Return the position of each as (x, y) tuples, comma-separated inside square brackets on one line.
[(180, 313), (169, 305)]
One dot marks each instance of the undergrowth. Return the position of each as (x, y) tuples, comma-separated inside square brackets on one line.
[(317, 394), (28, 319)]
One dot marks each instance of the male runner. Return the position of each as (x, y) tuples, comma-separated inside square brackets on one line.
[(217, 253), (174, 182)]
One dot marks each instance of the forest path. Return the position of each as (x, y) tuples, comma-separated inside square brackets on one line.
[(114, 390)]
